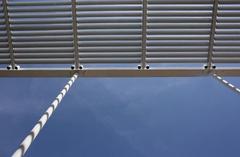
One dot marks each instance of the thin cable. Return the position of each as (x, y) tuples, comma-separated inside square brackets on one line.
[(226, 83), (37, 128)]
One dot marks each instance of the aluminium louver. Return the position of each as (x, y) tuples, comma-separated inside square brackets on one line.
[(109, 31), (227, 37), (178, 30), (4, 48), (41, 31), (112, 32)]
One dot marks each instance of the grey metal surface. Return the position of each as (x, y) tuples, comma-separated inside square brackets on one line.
[(118, 33), (119, 72)]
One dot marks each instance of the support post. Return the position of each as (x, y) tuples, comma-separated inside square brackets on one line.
[(9, 36), (226, 83), (212, 35), (144, 34), (40, 124), (75, 35)]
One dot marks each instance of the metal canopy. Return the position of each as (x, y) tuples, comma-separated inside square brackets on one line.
[(61, 33), (49, 34)]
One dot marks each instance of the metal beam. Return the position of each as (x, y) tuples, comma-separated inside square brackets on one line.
[(75, 35), (43, 120), (212, 35), (144, 34), (164, 72), (9, 36)]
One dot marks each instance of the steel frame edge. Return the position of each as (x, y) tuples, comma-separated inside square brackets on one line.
[(166, 72)]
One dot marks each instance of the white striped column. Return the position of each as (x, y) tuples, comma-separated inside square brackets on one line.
[(42, 121), (226, 83)]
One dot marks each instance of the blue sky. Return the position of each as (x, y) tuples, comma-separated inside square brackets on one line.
[(123, 117)]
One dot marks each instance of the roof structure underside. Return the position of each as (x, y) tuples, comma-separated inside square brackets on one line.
[(119, 37)]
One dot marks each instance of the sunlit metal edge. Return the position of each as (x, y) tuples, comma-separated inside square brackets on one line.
[(164, 72)]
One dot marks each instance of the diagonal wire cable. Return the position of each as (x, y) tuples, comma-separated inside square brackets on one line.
[(226, 83), (42, 121)]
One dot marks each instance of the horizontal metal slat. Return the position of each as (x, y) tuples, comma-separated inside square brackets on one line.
[(45, 61), (227, 31), (82, 60), (40, 9), (43, 49), (179, 13), (2, 27), (3, 39), (43, 55), (41, 26), (109, 26), (4, 55), (44, 44), (4, 50), (109, 31), (226, 60), (228, 19), (99, 7), (2, 21), (227, 36), (177, 60), (109, 60), (178, 25), (39, 3), (228, 13), (40, 21), (178, 43), (109, 43), (176, 54), (227, 43), (180, 7), (229, 6), (4, 61), (3, 44), (180, 1), (178, 31), (228, 26), (226, 48), (42, 38), (179, 19), (177, 37), (81, 14), (109, 37), (176, 48), (110, 55), (111, 49), (228, 1), (41, 15), (113, 2), (109, 19), (42, 33), (226, 54)]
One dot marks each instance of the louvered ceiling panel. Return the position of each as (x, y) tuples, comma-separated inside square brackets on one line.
[(4, 48), (227, 37), (178, 30), (109, 31), (113, 32), (41, 31)]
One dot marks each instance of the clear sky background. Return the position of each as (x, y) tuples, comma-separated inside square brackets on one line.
[(122, 117)]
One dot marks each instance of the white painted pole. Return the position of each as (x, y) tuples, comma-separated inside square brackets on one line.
[(36, 129), (226, 83)]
